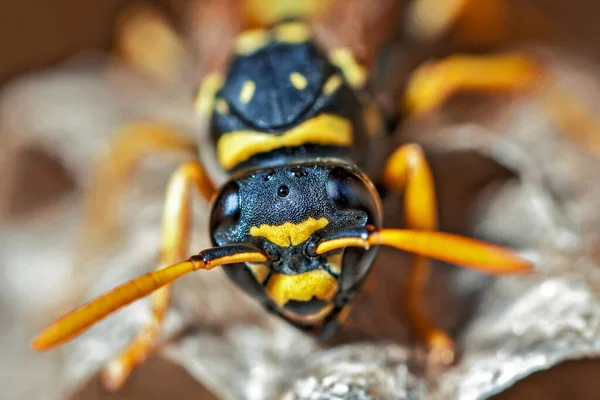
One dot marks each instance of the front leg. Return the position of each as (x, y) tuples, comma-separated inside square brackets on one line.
[(175, 243)]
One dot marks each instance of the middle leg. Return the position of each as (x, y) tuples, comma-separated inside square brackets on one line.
[(407, 170)]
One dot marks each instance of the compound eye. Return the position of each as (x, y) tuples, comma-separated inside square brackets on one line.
[(226, 210), (349, 192), (346, 189)]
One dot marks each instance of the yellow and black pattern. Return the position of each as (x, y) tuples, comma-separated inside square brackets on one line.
[(282, 92), (298, 223), (285, 210)]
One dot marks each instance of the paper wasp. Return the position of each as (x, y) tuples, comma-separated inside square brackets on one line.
[(299, 223)]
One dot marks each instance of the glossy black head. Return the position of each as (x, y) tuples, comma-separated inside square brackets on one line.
[(285, 210)]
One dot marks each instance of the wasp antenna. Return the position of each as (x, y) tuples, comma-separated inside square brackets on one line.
[(76, 322), (454, 249)]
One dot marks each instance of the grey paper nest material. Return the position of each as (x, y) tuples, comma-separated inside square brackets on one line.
[(520, 324), (358, 372)]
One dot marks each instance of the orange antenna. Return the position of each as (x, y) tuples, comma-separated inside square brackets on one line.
[(441, 246), (76, 322)]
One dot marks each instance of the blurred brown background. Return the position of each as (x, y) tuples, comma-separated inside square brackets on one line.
[(37, 33)]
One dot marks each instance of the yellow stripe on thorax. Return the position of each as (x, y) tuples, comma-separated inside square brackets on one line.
[(325, 129), (289, 234), (318, 283)]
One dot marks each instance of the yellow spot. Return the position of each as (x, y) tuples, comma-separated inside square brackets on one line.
[(301, 287), (221, 106), (298, 80), (259, 270), (325, 129), (292, 32), (309, 319), (247, 91), (355, 74), (251, 41), (332, 84), (206, 95), (289, 234)]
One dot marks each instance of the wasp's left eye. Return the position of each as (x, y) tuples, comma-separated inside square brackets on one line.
[(345, 189), (349, 192)]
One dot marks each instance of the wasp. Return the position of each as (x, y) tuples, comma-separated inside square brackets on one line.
[(299, 222)]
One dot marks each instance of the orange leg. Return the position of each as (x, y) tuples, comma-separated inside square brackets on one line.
[(111, 176), (175, 242), (433, 83), (407, 169), (479, 22), (429, 19), (146, 41)]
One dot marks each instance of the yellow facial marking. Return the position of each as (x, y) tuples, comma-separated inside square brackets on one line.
[(355, 74), (332, 84), (298, 80), (309, 319), (251, 41), (318, 283), (247, 92), (292, 32), (206, 95), (289, 234), (221, 106), (259, 270), (325, 129)]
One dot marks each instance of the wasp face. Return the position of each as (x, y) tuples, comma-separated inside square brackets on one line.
[(285, 210)]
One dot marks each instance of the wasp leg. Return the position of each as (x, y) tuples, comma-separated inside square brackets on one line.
[(434, 82), (111, 176), (426, 24), (146, 41), (175, 242), (407, 169), (477, 22)]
